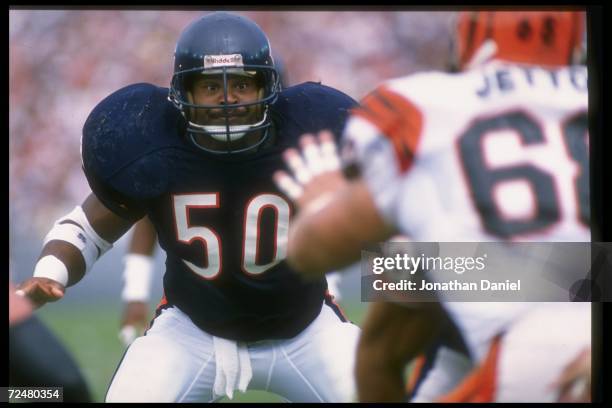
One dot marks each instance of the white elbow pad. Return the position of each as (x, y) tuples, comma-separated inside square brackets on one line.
[(75, 229)]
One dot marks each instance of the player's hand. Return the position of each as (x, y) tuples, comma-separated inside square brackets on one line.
[(41, 290), (574, 383), (133, 322), (315, 170)]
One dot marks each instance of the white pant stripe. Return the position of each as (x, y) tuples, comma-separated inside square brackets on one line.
[(195, 378), (271, 368), (302, 376)]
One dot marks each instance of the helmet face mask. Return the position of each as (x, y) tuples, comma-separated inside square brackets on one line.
[(224, 82)]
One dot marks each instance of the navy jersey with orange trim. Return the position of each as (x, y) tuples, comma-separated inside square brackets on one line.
[(220, 221)]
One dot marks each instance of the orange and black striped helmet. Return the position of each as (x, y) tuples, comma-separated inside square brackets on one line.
[(551, 38)]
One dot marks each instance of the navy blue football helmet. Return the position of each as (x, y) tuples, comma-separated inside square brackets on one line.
[(224, 44), (282, 70)]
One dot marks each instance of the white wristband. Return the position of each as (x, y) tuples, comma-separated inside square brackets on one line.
[(137, 278), (51, 267), (127, 335)]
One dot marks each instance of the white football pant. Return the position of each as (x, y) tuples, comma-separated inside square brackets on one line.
[(526, 359), (537, 348), (175, 362)]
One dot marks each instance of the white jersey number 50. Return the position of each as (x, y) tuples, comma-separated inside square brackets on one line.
[(186, 233)]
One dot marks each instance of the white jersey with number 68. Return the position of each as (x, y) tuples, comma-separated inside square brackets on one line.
[(497, 153)]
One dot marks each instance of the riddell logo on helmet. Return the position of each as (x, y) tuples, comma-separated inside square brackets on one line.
[(231, 60)]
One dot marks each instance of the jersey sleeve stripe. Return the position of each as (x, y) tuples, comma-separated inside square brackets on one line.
[(376, 111), (397, 118), (419, 363)]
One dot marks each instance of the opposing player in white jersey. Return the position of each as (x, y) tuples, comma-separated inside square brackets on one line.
[(498, 151)]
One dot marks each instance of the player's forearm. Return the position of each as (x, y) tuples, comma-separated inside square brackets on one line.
[(71, 247), (378, 378), (76, 241), (381, 355), (332, 236), (71, 258), (310, 253), (60, 264), (392, 336)]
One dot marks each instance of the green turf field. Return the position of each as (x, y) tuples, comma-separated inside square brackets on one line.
[(90, 333)]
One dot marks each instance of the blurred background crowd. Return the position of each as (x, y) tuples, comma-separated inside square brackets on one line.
[(63, 62)]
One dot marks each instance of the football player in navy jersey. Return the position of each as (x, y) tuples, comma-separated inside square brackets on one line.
[(139, 264), (197, 159)]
